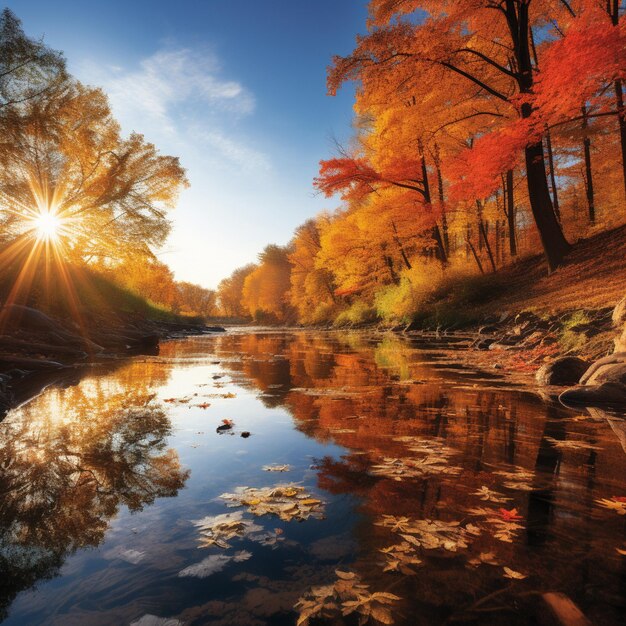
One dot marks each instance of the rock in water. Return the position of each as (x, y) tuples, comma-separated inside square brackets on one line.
[(604, 383), (610, 395), (566, 370)]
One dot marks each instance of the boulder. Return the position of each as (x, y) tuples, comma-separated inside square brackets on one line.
[(619, 314), (566, 370), (610, 395), (620, 342), (607, 369)]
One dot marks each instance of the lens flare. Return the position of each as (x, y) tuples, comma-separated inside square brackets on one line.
[(47, 226)]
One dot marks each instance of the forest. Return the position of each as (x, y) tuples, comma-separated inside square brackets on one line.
[(77, 195), (485, 133)]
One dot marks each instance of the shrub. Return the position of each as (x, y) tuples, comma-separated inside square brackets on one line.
[(357, 313)]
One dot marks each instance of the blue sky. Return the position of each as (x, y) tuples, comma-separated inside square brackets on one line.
[(235, 88)]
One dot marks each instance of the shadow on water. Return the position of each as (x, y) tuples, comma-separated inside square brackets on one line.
[(412, 455)]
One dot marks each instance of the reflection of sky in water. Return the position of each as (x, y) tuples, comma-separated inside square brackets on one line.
[(359, 406)]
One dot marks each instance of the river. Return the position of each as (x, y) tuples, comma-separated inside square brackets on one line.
[(232, 477)]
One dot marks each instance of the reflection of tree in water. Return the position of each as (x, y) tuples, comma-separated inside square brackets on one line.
[(68, 461), (367, 396)]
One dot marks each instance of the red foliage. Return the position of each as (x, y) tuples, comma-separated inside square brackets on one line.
[(575, 68)]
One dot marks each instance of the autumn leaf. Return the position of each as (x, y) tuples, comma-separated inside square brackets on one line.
[(510, 573)]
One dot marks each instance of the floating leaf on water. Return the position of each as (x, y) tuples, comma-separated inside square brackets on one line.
[(503, 522), (399, 558), (218, 530), (288, 502), (277, 468), (269, 539), (511, 573), (488, 495), (429, 534), (509, 516), (400, 468), (616, 503), (347, 596), (487, 558)]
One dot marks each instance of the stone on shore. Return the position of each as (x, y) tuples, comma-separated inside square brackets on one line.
[(566, 370)]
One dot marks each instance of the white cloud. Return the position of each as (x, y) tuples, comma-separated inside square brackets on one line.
[(236, 152), (168, 80), (178, 99)]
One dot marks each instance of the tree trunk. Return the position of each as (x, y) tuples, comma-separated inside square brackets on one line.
[(621, 116), (613, 9), (554, 244), (396, 238), (498, 251), (511, 213), (470, 245), (591, 207), (555, 195), (442, 202), (552, 239), (483, 232), (436, 232)]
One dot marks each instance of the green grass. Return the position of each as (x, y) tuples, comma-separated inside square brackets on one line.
[(92, 295)]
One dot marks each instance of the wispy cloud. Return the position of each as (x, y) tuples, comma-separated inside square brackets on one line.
[(180, 95)]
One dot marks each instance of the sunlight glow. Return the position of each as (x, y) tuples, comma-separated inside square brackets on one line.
[(47, 226)]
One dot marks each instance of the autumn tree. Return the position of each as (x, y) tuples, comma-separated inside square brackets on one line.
[(196, 300), (312, 286), (28, 68), (230, 292), (265, 289), (488, 44)]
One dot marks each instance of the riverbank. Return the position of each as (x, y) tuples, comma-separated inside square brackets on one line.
[(37, 349)]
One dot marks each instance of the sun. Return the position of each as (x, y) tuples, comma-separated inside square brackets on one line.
[(47, 226)]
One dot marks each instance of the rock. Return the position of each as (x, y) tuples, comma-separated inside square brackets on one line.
[(620, 341), (245, 434), (562, 371), (612, 395), (615, 373), (607, 369), (619, 314), (14, 316), (489, 328), (484, 344)]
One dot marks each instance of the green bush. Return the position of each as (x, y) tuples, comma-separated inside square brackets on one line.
[(358, 313)]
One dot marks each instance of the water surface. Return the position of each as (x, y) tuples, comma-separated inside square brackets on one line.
[(459, 497)]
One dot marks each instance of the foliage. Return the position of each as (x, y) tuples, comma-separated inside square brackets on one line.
[(357, 313)]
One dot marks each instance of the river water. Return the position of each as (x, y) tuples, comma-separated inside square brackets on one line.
[(380, 479)]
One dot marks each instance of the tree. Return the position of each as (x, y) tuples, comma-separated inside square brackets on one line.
[(265, 289), (28, 68), (230, 292), (68, 159), (485, 43)]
